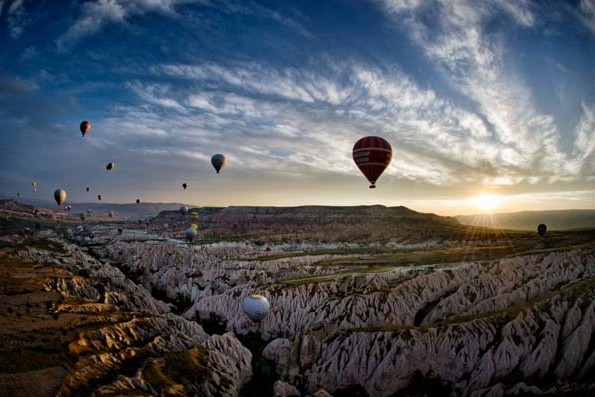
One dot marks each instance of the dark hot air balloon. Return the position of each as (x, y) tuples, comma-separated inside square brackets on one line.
[(190, 234), (218, 161), (541, 229), (110, 166), (85, 127), (88, 188), (99, 197), (184, 210), (60, 196), (138, 201), (372, 155), (184, 185)]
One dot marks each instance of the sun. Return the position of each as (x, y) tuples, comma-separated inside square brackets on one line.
[(487, 202)]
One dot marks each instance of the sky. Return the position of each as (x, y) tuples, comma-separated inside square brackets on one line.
[(475, 97)]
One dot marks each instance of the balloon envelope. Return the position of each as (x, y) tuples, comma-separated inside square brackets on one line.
[(218, 161), (190, 234), (99, 197), (110, 166), (256, 307), (184, 185), (184, 210), (138, 201), (372, 155), (541, 229), (110, 214), (88, 188), (60, 196), (85, 127), (194, 226)]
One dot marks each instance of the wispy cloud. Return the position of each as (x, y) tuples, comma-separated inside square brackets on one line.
[(17, 18), (587, 10), (472, 60), (95, 15)]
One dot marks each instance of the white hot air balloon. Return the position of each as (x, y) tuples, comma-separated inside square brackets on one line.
[(256, 307)]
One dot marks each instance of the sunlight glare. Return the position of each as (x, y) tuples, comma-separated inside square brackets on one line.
[(487, 202)]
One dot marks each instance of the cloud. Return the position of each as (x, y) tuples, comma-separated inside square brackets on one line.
[(96, 14), (472, 61), (17, 18), (155, 94), (587, 13)]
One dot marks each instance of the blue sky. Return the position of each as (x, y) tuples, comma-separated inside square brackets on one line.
[(476, 97)]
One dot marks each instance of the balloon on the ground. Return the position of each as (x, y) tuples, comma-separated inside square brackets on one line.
[(372, 155), (256, 307), (542, 229), (190, 234)]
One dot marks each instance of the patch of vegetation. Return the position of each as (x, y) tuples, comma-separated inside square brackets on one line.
[(264, 374), (184, 367)]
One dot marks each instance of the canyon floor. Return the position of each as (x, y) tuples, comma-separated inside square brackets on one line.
[(402, 304)]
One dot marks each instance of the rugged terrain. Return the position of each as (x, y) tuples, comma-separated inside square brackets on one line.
[(364, 301)]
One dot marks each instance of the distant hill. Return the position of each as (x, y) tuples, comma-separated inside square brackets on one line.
[(528, 220), (321, 223), (132, 210)]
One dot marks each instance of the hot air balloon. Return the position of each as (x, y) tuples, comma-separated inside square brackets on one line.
[(110, 214), (82, 216), (34, 186), (184, 210), (194, 226), (110, 166), (184, 185), (218, 161), (19, 194), (190, 234), (256, 307), (99, 197), (372, 155), (541, 229), (138, 201), (60, 196), (89, 211), (88, 188), (85, 127), (194, 216), (120, 230)]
